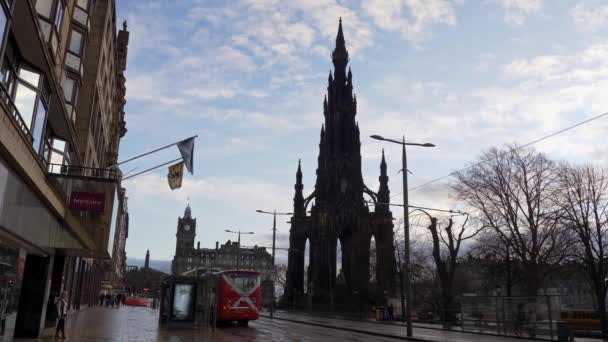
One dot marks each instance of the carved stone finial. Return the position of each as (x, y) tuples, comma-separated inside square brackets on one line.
[(124, 25)]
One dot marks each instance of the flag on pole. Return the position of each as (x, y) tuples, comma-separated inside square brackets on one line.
[(186, 148), (175, 175)]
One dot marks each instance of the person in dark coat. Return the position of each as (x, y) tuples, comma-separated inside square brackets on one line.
[(61, 305)]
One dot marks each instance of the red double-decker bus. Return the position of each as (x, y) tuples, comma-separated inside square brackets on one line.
[(238, 296)]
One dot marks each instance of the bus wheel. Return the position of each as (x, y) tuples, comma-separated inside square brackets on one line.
[(243, 323)]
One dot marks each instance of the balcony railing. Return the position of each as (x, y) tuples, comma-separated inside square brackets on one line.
[(84, 172), (14, 113)]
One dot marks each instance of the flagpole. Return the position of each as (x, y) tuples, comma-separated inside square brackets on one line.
[(147, 153), (153, 168)]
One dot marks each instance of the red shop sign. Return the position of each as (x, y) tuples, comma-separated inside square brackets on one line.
[(87, 201)]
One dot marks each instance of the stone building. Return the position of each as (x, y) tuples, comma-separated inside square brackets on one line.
[(61, 120), (340, 211), (193, 260), (115, 277), (144, 281)]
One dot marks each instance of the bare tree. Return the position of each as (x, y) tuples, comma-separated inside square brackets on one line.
[(281, 275), (496, 262), (513, 191), (584, 200), (447, 244)]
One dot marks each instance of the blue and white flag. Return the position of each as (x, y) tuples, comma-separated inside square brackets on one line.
[(186, 148)]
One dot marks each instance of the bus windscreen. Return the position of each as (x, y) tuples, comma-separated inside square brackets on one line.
[(244, 282)]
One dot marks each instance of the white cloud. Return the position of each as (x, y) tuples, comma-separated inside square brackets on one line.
[(412, 18), (532, 97), (590, 16), (485, 61), (517, 11)]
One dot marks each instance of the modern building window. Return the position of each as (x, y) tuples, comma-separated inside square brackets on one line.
[(81, 13), (84, 4), (3, 23), (76, 42), (59, 15), (70, 87), (50, 15), (44, 7), (40, 120), (29, 101), (60, 155), (74, 55), (25, 101)]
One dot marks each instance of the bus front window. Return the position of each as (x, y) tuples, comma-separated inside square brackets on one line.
[(244, 282)]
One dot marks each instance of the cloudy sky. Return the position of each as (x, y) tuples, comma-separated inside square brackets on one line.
[(248, 76)]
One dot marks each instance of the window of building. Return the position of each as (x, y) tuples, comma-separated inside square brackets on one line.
[(28, 93), (60, 155), (25, 101), (59, 15), (39, 124), (84, 4), (76, 42), (76, 46), (44, 7), (50, 15), (70, 90)]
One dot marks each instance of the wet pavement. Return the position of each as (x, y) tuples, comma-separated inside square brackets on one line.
[(140, 324), (421, 332), (135, 324)]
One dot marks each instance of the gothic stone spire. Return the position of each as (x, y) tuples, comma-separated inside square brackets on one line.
[(340, 53), (298, 199), (383, 191)]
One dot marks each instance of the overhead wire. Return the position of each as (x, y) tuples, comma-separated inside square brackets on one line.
[(511, 151)]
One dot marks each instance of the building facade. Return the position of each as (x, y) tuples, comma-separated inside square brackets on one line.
[(340, 211), (145, 281), (115, 277), (191, 260), (61, 66)]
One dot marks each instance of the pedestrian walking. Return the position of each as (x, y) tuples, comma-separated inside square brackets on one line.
[(118, 300), (101, 299), (108, 298), (61, 304)]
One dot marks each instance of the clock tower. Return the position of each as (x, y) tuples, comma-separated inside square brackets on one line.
[(186, 232)]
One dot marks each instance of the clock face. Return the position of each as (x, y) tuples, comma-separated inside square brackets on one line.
[(186, 227)]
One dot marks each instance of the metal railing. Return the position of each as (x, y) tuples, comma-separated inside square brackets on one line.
[(84, 172), (14, 113), (530, 317)]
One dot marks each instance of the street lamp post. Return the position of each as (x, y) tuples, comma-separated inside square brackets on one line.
[(406, 227), (274, 238), (238, 256)]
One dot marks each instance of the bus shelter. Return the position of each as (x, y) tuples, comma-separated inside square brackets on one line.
[(188, 301)]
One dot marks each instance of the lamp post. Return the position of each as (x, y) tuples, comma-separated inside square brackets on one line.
[(274, 238), (406, 226), (238, 256)]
